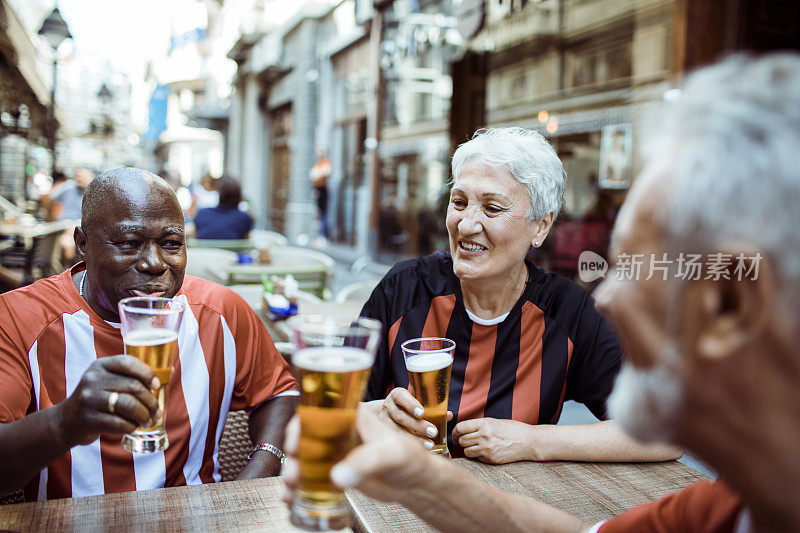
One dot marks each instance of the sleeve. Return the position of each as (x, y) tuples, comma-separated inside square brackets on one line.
[(703, 507), (15, 376), (596, 359), (261, 372), (378, 306)]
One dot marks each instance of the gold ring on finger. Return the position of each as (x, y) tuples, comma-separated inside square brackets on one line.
[(112, 401)]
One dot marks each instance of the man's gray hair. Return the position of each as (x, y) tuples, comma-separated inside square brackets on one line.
[(733, 139), (529, 158)]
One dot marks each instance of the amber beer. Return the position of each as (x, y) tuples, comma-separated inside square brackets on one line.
[(332, 381), (150, 328), (156, 348), (429, 361), (429, 378)]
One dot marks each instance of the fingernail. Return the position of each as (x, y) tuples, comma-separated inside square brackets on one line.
[(419, 411), (431, 431), (344, 476), (428, 444), (155, 384)]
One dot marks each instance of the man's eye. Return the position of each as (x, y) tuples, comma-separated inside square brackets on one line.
[(493, 209), (128, 244), (172, 245), (458, 203)]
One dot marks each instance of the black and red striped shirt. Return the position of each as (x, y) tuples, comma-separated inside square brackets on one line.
[(553, 345)]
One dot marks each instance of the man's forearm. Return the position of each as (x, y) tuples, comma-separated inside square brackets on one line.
[(452, 500), (27, 446), (600, 441), (267, 424)]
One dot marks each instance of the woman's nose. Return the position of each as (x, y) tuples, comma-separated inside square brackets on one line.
[(470, 222)]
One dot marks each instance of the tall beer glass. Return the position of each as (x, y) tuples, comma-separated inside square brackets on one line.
[(150, 333), (332, 361), (429, 362)]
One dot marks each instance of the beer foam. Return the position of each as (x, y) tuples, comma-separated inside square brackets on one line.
[(428, 362), (150, 337), (332, 359)]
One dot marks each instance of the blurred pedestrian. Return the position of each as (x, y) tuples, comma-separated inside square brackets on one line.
[(320, 173), (226, 220), (206, 195), (65, 204)]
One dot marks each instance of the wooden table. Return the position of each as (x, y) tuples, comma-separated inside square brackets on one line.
[(232, 506), (590, 491)]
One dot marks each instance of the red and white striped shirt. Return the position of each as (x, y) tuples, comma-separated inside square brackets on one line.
[(226, 360)]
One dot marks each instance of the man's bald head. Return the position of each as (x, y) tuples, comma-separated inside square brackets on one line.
[(132, 239), (127, 184)]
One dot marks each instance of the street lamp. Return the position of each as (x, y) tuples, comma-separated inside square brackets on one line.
[(55, 30), (107, 129)]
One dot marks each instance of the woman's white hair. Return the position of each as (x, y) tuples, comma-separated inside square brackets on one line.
[(529, 158), (733, 137)]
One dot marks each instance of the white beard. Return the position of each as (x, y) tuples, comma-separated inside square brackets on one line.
[(646, 403)]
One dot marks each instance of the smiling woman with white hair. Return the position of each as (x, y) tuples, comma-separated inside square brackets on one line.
[(526, 339)]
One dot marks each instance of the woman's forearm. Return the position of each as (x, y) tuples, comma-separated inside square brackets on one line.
[(600, 441)]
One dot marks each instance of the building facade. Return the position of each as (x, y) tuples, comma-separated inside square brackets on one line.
[(389, 89)]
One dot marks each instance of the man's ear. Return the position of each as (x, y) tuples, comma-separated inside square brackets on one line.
[(80, 242), (721, 317)]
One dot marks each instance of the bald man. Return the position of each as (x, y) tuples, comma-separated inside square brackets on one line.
[(60, 361)]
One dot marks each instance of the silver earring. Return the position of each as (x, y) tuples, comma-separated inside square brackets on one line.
[(536, 243)]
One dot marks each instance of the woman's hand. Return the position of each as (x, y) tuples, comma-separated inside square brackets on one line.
[(496, 441), (402, 410)]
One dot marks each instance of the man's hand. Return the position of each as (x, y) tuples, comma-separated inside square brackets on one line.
[(386, 462), (496, 441), (402, 410), (85, 415)]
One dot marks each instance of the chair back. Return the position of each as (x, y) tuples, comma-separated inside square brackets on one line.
[(238, 246), (209, 263), (359, 291), (234, 445), (266, 238)]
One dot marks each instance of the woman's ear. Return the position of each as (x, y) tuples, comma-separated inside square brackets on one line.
[(542, 229)]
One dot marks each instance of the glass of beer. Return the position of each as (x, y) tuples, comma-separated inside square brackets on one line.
[(150, 333), (429, 362), (332, 361)]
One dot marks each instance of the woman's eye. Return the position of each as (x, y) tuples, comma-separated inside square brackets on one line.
[(493, 209), (458, 202)]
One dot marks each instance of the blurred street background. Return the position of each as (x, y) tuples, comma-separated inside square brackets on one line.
[(338, 118), (382, 91)]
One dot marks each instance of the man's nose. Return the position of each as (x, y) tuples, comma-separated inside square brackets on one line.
[(150, 260)]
